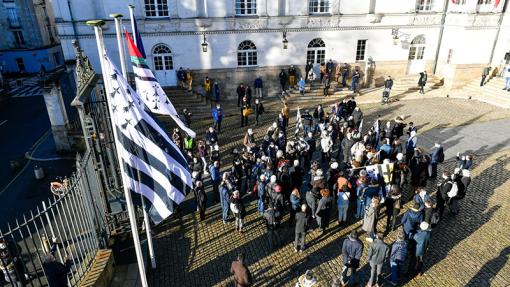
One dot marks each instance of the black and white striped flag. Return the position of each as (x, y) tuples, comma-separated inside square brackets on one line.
[(151, 163)]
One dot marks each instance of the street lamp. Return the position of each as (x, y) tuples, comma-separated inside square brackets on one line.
[(394, 32), (204, 45), (285, 41)]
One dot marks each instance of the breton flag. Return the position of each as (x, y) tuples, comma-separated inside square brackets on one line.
[(150, 90), (384, 170), (299, 122), (151, 163)]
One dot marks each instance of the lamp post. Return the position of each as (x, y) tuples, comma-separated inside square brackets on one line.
[(394, 32), (204, 45), (285, 42)]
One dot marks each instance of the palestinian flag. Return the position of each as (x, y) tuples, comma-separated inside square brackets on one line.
[(150, 90)]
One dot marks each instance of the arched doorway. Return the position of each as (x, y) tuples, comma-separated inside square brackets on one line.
[(164, 65), (416, 60), (316, 51)]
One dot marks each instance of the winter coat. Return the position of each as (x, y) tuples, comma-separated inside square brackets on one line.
[(301, 222), (422, 239), (378, 252), (370, 219), (352, 249), (411, 220), (217, 114), (343, 199), (258, 83), (326, 143), (398, 251)]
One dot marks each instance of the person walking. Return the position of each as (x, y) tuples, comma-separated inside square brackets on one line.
[(241, 91), (283, 80), (301, 86), (397, 257), (259, 110), (352, 249), (242, 275), (258, 85), (245, 112), (215, 92), (343, 204), (355, 81), (300, 230), (207, 88), (422, 82), (325, 85), (421, 239), (506, 75), (292, 76), (200, 198), (370, 219), (485, 72), (377, 254), (217, 114)]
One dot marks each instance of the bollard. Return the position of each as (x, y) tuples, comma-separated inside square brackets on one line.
[(38, 172)]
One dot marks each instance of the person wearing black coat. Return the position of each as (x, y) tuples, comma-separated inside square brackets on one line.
[(56, 272), (259, 110), (300, 231), (422, 81), (200, 198), (241, 91), (283, 80), (442, 192), (352, 249)]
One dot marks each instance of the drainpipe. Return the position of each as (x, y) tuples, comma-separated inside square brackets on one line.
[(497, 32), (72, 21), (443, 20)]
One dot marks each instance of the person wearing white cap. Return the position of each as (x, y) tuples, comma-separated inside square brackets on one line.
[(436, 156), (422, 238), (411, 143)]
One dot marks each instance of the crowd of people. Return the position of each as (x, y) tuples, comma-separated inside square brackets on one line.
[(319, 170)]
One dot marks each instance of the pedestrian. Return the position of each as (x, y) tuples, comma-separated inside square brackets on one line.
[(323, 210), (249, 140), (292, 76), (237, 208), (506, 75), (338, 73), (258, 85), (308, 68), (307, 280), (207, 88), (283, 80), (352, 249), (187, 117), (200, 198), (214, 172), (181, 77), (411, 144), (345, 74), (259, 110), (326, 146), (301, 86), (325, 85), (245, 112), (261, 193), (370, 219), (377, 254), (242, 275), (398, 256), (248, 95), (443, 188), (436, 156), (329, 67), (388, 84), (225, 189), (300, 230), (355, 80), (393, 205), (486, 71), (241, 91), (217, 114), (422, 82), (11, 263), (311, 77), (215, 92), (343, 204), (357, 117), (56, 272), (421, 239), (189, 79), (411, 220)]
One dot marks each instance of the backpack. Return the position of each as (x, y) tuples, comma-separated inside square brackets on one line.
[(461, 193), (434, 220), (440, 159), (454, 191)]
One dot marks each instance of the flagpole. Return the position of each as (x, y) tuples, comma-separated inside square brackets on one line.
[(118, 22), (146, 221), (131, 211)]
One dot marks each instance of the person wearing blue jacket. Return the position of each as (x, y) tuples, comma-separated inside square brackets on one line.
[(258, 84), (397, 257), (225, 189), (217, 114), (411, 219), (352, 249), (421, 238), (436, 156), (214, 171)]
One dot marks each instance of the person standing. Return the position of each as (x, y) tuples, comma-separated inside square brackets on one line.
[(343, 204), (345, 74), (259, 110), (422, 82), (292, 76), (283, 80), (301, 86), (421, 238), (325, 85), (308, 68), (242, 275), (237, 208), (189, 79), (370, 219), (338, 72), (411, 220), (436, 156), (352, 249), (200, 198), (393, 205), (397, 257), (225, 188), (258, 84), (506, 75), (56, 272), (245, 112), (241, 91), (486, 71), (323, 210), (214, 171), (217, 114), (248, 95), (377, 254), (207, 88), (355, 81), (215, 92), (300, 231), (181, 77), (322, 70), (326, 146)]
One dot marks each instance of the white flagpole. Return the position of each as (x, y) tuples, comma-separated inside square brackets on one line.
[(146, 221), (131, 211), (118, 22)]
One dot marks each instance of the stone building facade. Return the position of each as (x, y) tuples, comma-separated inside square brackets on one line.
[(452, 38)]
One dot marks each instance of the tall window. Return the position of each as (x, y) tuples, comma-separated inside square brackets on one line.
[(247, 54), (417, 48), (18, 38), (459, 2), (246, 7), (162, 58), (424, 5), (360, 50), (156, 8), (318, 6), (12, 14), (316, 52), (484, 2)]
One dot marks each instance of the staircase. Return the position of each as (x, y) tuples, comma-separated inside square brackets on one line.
[(492, 92), (409, 84)]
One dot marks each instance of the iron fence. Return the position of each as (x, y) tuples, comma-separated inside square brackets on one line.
[(59, 239)]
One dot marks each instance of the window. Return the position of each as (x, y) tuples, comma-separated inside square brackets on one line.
[(459, 2), (247, 54), (246, 7), (18, 38), (484, 2), (424, 5), (162, 58), (316, 52), (360, 50), (156, 8), (417, 48), (318, 6), (12, 14)]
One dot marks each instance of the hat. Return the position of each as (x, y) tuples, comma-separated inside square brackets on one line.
[(250, 131), (236, 192), (296, 162), (424, 225), (273, 178), (319, 172), (465, 172), (308, 275), (400, 156), (456, 171), (334, 165)]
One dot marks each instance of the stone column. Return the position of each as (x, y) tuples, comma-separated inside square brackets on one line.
[(58, 116)]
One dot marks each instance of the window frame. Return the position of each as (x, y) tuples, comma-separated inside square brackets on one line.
[(318, 6), (19, 39), (361, 49), (158, 8), (316, 48), (13, 17), (424, 5), (238, 8), (247, 57), (164, 60)]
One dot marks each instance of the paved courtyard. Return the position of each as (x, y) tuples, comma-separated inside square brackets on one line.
[(471, 249)]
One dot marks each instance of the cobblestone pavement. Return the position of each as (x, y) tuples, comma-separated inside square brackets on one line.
[(471, 249)]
